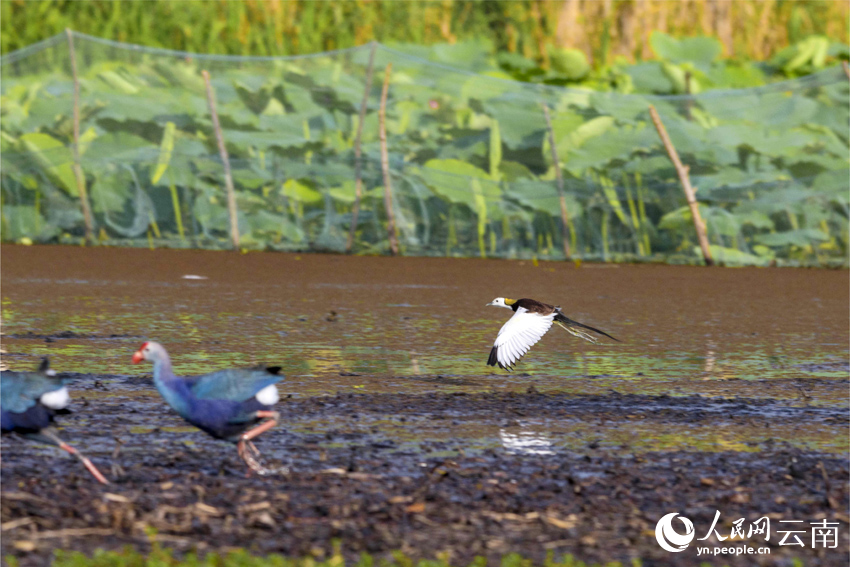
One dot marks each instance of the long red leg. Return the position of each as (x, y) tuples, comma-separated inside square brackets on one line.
[(260, 429), (247, 451), (250, 459), (249, 445), (86, 462)]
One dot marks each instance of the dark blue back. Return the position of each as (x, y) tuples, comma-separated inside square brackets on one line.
[(224, 419), (28, 421), (20, 393)]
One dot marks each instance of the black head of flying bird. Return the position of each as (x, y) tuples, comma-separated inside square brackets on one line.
[(532, 319)]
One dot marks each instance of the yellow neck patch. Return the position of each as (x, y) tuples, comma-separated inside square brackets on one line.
[(509, 301)]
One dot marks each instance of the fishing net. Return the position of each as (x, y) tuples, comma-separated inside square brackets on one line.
[(470, 168)]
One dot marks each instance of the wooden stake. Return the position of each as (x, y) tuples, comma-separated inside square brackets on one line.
[(385, 162), (690, 192), (358, 182), (565, 218), (78, 169), (222, 150)]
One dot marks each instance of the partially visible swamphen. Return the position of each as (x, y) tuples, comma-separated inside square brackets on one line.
[(234, 405), (28, 402)]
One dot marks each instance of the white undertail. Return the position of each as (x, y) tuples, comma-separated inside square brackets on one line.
[(57, 399), (268, 396)]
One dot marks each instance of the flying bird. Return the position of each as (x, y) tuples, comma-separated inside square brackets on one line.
[(28, 403), (532, 319), (234, 405)]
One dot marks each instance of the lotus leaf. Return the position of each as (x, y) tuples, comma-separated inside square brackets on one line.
[(469, 151), (732, 256), (23, 221), (649, 77), (54, 157), (520, 126), (295, 189), (801, 237), (542, 196), (569, 62), (702, 50)]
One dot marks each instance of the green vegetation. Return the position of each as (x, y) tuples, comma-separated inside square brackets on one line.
[(160, 557), (469, 153), (602, 31)]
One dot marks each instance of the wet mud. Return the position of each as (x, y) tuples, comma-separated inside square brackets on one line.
[(363, 472), (729, 393)]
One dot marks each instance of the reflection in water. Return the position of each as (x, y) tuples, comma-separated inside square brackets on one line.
[(340, 325), (526, 441), (710, 357), (395, 319)]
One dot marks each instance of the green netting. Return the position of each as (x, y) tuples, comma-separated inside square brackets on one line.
[(470, 162)]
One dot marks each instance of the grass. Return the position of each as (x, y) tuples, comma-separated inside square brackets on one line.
[(165, 557), (752, 29)]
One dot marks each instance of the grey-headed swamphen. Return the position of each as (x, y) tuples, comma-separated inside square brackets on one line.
[(234, 405), (28, 402)]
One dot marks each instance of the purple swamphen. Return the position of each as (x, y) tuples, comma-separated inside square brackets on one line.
[(234, 405), (28, 402)]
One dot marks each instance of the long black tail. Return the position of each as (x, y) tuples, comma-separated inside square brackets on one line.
[(494, 359), (571, 325)]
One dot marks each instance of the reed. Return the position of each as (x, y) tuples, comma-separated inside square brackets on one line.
[(565, 218), (602, 29), (358, 180), (690, 193), (225, 160), (78, 169), (385, 163)]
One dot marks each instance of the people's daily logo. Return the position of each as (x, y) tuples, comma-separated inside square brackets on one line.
[(673, 537), (667, 536)]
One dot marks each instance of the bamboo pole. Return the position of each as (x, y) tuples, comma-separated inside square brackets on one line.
[(222, 150), (358, 181), (88, 219), (565, 217), (385, 162), (690, 192)]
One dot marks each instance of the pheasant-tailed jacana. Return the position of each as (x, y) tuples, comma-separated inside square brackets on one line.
[(530, 322)]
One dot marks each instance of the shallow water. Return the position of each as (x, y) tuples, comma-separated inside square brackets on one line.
[(391, 320), (728, 390), (418, 325)]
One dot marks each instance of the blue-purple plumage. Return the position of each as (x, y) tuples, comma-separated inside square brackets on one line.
[(21, 410), (223, 403), (28, 402), (234, 405)]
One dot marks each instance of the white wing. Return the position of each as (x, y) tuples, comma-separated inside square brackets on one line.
[(518, 335)]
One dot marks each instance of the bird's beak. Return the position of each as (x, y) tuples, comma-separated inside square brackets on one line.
[(489, 304), (138, 357)]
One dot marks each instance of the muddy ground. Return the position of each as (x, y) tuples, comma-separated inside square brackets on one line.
[(728, 392), (354, 482)]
